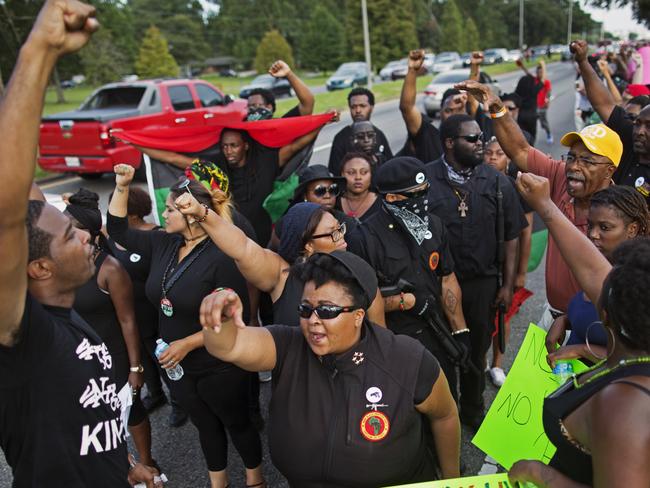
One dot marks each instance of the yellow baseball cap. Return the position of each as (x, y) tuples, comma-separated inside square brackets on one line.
[(599, 139)]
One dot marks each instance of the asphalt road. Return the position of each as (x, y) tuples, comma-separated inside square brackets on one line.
[(177, 450)]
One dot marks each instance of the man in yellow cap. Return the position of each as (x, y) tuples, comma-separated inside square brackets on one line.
[(594, 154)]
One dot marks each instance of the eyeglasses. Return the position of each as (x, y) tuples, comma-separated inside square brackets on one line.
[(584, 162), (336, 235), (323, 312), (415, 194), (321, 190), (471, 138)]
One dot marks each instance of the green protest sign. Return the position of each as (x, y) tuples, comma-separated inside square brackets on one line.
[(512, 429), (499, 480)]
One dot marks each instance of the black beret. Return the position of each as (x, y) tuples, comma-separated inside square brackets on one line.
[(399, 175)]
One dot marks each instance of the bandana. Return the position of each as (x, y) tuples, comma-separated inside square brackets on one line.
[(260, 113), (457, 177), (409, 212), (208, 174)]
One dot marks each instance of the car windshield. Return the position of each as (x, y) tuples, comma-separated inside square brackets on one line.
[(122, 97), (447, 78), (348, 70), (263, 80), (445, 59)]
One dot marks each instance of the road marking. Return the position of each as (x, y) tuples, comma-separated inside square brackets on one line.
[(59, 183), (323, 147)]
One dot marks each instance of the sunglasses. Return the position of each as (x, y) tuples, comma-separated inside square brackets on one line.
[(336, 235), (321, 190), (471, 138), (415, 194), (323, 312)]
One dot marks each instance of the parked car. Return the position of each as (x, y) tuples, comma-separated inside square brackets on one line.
[(68, 84), (465, 58), (348, 75), (558, 48), (429, 60), (565, 54), (494, 55), (442, 82), (447, 61), (512, 56), (80, 141), (228, 73), (280, 87), (386, 72)]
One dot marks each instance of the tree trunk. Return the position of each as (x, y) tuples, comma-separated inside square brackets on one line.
[(60, 98)]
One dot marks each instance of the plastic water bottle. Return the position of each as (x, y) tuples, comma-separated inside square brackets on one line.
[(563, 370), (175, 373)]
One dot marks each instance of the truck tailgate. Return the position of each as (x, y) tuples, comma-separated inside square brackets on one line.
[(72, 138)]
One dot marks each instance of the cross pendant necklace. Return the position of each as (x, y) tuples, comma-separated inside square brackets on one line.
[(463, 208)]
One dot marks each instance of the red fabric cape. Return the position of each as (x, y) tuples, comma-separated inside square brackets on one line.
[(271, 133)]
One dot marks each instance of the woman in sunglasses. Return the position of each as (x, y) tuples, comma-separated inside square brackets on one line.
[(185, 267), (350, 399), (358, 201)]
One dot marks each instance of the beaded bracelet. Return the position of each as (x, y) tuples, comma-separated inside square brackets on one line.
[(205, 215)]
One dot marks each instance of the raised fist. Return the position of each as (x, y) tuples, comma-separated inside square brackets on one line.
[(580, 49), (416, 59), (476, 57), (188, 205), (123, 174), (63, 26), (535, 190), (279, 69)]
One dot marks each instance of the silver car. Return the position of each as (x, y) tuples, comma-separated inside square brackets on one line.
[(447, 61), (444, 81)]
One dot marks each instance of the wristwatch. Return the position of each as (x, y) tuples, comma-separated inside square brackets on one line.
[(136, 369)]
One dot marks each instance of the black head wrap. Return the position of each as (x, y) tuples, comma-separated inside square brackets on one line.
[(84, 207)]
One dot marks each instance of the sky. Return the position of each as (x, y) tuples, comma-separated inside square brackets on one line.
[(617, 20)]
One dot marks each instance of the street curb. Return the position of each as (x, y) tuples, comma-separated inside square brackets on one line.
[(54, 178)]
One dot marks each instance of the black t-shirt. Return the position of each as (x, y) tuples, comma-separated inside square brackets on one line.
[(473, 239), (527, 88), (59, 412), (294, 112), (394, 254), (426, 141), (341, 145), (210, 269), (350, 420), (251, 184), (629, 172)]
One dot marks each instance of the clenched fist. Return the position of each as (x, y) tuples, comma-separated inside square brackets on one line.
[(279, 69), (580, 49), (63, 26), (416, 59), (188, 205), (123, 174)]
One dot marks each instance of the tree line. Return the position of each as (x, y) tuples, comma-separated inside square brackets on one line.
[(139, 36)]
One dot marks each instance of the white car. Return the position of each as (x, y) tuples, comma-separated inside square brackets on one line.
[(387, 71), (447, 61), (444, 81), (512, 56)]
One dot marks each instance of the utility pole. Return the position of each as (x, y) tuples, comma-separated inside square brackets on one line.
[(521, 25), (366, 41), (568, 30)]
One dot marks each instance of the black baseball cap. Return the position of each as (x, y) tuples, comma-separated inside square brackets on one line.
[(400, 175), (363, 273)]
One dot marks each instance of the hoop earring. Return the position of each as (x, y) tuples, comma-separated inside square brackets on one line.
[(609, 332)]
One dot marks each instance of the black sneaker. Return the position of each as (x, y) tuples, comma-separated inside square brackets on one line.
[(178, 416), (152, 402)]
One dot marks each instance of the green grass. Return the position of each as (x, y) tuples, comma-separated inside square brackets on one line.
[(338, 99), (501, 68)]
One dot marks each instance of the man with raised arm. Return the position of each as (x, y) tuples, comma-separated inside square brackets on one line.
[(60, 419), (634, 169), (593, 155)]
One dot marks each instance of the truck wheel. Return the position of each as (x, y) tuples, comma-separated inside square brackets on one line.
[(91, 176)]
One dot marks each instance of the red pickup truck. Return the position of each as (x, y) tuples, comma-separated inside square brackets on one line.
[(79, 141)]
